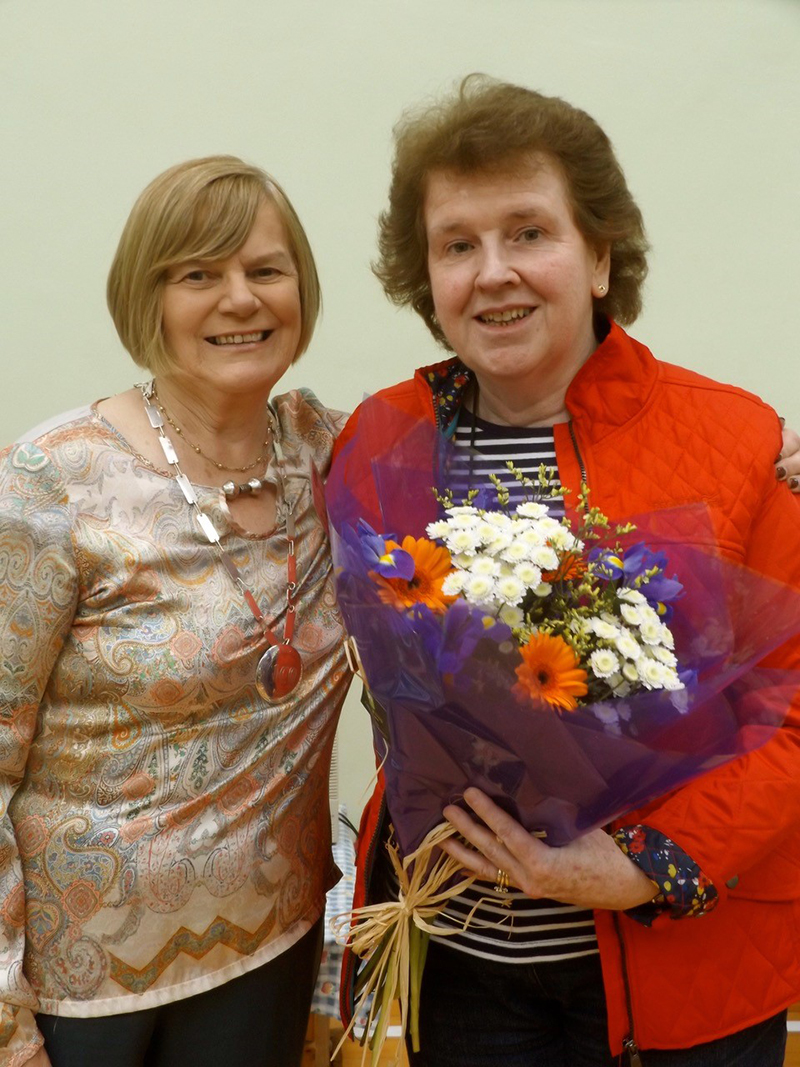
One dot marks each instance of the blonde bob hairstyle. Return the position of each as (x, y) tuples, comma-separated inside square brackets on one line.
[(490, 128), (203, 209)]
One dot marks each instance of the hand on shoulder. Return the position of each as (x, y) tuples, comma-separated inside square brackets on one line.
[(787, 465)]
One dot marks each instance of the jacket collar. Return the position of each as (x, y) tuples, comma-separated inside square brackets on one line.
[(609, 390)]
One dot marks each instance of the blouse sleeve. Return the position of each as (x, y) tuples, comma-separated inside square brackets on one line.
[(38, 597)]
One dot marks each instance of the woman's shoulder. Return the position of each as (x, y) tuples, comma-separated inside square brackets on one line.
[(709, 407), (301, 409), (720, 394), (39, 461), (308, 427)]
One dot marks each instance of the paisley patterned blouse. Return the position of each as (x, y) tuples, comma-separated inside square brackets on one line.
[(164, 829)]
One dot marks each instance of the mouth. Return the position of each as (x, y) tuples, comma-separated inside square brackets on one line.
[(254, 337), (506, 317)]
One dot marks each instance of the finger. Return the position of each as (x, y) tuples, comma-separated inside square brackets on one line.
[(491, 852), (488, 869), (506, 829)]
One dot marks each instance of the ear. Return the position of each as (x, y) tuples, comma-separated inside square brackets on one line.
[(601, 272)]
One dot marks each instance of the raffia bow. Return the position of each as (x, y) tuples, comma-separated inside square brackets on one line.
[(392, 938)]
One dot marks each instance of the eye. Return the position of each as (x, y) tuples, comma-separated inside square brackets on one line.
[(530, 234), (458, 248), (265, 274), (194, 276)]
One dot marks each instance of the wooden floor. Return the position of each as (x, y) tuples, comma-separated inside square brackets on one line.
[(323, 1036), (319, 1044)]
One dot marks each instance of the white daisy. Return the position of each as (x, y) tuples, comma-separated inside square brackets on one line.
[(651, 631), (510, 589), (669, 659), (606, 713), (463, 540), (651, 672), (544, 557), (485, 565), (630, 614), (511, 615), (453, 584), (627, 645), (532, 509), (528, 573), (516, 552), (497, 519), (464, 519), (437, 529), (671, 680), (499, 543), (603, 663), (479, 588), (603, 629), (532, 535), (629, 672), (633, 596)]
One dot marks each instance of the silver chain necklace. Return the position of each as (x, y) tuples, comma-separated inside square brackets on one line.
[(280, 668)]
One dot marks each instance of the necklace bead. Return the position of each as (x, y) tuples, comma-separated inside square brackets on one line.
[(234, 489)]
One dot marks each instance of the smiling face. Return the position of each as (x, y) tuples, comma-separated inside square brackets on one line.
[(512, 278), (234, 324)]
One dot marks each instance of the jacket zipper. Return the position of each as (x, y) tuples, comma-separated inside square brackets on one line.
[(629, 1043), (581, 464)]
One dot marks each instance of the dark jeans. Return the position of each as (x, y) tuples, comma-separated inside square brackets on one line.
[(256, 1020), (477, 1013)]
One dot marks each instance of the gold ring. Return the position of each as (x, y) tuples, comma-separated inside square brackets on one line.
[(501, 881)]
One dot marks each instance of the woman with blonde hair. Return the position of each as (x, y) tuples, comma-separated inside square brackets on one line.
[(173, 664)]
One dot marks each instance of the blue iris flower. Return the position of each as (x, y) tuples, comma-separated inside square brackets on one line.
[(636, 561), (606, 564), (659, 590), (450, 639), (389, 563)]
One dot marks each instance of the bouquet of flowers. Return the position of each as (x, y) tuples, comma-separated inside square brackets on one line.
[(571, 668)]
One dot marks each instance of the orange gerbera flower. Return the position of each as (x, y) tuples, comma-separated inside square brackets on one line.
[(432, 564), (572, 566), (549, 671)]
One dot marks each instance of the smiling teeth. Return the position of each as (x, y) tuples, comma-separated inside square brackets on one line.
[(505, 316), (239, 338)]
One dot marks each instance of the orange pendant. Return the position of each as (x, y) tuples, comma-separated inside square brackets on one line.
[(279, 672)]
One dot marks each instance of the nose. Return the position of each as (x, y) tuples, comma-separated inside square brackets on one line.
[(495, 267), (237, 296)]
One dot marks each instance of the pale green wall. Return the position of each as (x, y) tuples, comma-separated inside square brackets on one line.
[(701, 98)]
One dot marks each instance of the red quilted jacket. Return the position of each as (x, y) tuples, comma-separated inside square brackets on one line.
[(647, 436)]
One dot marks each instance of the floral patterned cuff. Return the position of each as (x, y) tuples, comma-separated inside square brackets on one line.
[(684, 889)]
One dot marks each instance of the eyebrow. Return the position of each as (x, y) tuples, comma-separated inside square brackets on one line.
[(279, 255), (273, 256), (522, 213)]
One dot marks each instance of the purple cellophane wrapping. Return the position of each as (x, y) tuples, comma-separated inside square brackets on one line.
[(563, 773)]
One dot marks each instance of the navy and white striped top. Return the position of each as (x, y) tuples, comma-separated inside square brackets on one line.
[(531, 931)]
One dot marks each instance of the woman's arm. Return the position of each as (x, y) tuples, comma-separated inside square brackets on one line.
[(38, 596)]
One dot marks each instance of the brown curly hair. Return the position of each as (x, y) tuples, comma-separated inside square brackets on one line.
[(492, 127)]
